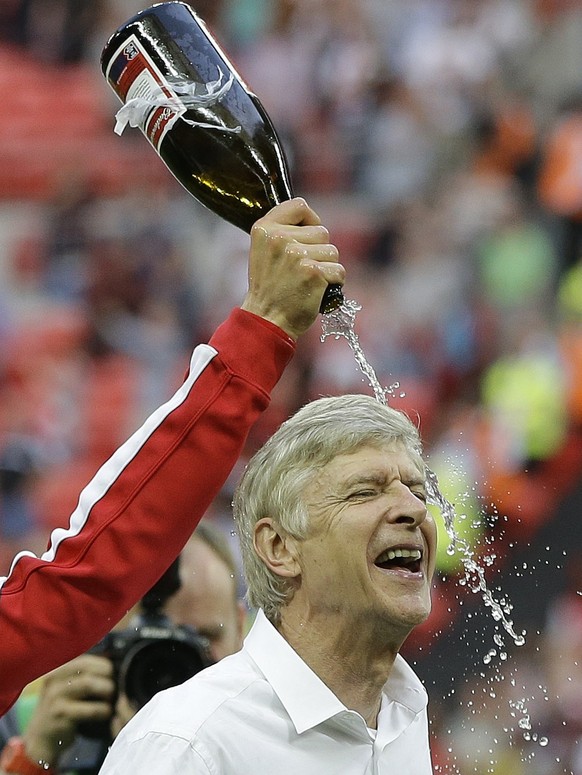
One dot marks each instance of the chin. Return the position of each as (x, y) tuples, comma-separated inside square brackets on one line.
[(414, 615), (396, 626)]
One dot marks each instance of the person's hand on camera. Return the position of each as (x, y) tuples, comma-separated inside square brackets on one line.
[(291, 263), (80, 691)]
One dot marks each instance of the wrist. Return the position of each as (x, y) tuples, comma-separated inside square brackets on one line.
[(16, 758), (271, 317)]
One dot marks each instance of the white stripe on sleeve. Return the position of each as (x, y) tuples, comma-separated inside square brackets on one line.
[(116, 464)]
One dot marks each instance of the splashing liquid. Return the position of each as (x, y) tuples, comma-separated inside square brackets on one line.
[(341, 323)]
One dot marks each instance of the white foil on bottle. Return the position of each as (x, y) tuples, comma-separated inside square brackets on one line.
[(136, 110)]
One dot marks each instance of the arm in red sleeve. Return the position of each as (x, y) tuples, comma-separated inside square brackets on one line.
[(136, 514)]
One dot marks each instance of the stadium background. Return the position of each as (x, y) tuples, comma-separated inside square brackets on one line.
[(441, 142)]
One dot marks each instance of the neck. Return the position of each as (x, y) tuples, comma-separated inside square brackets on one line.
[(352, 662)]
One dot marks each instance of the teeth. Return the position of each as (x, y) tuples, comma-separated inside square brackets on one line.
[(392, 554)]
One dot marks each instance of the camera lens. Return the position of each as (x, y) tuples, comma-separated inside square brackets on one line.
[(152, 665)]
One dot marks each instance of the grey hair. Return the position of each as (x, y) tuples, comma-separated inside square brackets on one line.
[(276, 476)]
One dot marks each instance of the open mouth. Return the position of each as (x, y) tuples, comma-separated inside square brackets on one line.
[(400, 559)]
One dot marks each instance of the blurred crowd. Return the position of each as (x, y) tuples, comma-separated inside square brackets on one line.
[(441, 142)]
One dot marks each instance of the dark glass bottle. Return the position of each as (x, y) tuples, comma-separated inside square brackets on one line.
[(213, 134)]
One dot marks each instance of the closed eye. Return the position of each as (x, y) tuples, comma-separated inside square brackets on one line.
[(361, 494)]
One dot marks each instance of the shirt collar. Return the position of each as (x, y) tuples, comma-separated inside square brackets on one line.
[(305, 697), (404, 687)]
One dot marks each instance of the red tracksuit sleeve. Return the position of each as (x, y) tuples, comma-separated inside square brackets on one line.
[(138, 511)]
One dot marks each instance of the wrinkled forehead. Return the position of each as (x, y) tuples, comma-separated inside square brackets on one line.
[(395, 446), (389, 453)]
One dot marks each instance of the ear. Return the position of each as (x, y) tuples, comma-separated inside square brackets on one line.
[(276, 549)]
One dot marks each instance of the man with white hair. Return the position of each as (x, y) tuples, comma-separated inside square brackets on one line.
[(339, 552)]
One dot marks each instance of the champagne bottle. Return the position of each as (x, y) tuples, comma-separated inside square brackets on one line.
[(213, 134)]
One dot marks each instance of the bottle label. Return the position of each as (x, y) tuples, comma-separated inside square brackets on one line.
[(141, 85)]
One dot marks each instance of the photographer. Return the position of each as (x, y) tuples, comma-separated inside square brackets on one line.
[(207, 598), (83, 694)]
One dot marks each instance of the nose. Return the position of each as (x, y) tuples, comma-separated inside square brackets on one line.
[(407, 508)]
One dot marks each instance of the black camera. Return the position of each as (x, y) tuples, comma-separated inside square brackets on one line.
[(152, 653)]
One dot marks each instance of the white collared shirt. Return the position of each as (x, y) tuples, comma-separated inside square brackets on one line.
[(263, 711)]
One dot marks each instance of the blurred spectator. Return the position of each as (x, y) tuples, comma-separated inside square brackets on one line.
[(517, 262), (570, 339), (552, 67), (396, 160), (56, 31), (450, 66), (506, 140), (286, 46), (64, 254), (524, 393), (19, 461), (560, 183)]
